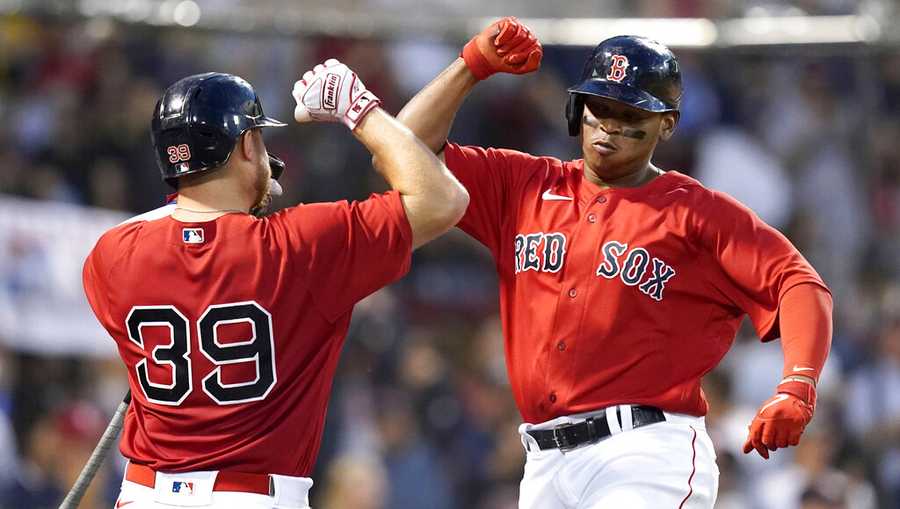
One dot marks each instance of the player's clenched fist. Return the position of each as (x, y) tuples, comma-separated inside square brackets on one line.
[(331, 92), (782, 419), (504, 46)]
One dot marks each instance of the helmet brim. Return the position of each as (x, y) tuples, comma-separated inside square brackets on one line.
[(265, 121), (622, 93)]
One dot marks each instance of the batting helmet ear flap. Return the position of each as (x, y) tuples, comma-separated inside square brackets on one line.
[(574, 110)]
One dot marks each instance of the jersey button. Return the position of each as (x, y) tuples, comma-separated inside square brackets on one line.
[(601, 199), (552, 397), (561, 346), (592, 218), (573, 292)]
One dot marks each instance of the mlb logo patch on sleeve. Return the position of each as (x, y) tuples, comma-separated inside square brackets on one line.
[(192, 235)]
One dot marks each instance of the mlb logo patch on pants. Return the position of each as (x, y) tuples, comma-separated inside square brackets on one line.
[(185, 490), (183, 487)]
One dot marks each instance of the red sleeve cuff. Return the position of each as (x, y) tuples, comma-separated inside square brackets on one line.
[(401, 220)]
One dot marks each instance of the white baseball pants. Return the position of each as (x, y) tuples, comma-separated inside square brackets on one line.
[(666, 465)]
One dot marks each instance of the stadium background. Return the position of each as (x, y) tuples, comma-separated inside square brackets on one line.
[(790, 106)]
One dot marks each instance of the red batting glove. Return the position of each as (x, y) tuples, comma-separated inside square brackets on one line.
[(504, 46), (782, 419)]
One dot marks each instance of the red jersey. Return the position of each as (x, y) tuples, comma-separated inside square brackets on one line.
[(618, 295), (231, 328)]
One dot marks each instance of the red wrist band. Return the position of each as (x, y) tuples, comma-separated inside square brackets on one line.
[(475, 61)]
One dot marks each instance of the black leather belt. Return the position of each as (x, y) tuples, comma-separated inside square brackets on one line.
[(592, 429)]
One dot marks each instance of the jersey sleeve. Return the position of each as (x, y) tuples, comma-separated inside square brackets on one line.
[(758, 264), (494, 179), (93, 279), (348, 250)]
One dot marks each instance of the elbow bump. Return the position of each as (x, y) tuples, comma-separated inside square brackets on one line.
[(460, 202), (452, 207)]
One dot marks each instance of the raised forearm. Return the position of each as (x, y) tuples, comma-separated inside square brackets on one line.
[(504, 46), (431, 112), (804, 317), (403, 161), (433, 198)]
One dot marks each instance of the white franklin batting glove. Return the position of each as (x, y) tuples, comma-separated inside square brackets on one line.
[(331, 92)]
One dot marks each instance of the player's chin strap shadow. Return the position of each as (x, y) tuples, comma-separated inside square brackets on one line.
[(275, 189), (277, 166)]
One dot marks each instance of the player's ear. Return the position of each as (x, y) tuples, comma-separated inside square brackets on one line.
[(247, 145), (669, 121)]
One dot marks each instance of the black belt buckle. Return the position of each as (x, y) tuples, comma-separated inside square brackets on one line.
[(560, 440)]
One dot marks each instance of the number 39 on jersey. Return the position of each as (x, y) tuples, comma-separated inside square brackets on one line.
[(176, 355)]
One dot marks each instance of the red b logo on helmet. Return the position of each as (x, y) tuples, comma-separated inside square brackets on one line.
[(617, 69)]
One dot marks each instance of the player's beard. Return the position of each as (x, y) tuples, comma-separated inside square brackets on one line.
[(263, 193)]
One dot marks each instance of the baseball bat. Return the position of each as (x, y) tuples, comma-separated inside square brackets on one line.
[(73, 498)]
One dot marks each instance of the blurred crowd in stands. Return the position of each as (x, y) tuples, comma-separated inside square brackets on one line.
[(421, 414)]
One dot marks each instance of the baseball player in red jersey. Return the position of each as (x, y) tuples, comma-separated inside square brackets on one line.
[(230, 325), (621, 285)]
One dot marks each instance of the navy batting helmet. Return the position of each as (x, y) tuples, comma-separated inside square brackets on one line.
[(634, 70), (198, 120)]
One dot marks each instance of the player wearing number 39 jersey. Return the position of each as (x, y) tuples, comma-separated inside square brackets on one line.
[(230, 324), (622, 285)]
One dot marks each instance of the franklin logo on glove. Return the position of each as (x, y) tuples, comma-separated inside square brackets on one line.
[(331, 92), (332, 82)]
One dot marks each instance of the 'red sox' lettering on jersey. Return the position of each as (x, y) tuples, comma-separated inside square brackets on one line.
[(546, 252), (634, 268), (618, 295), (540, 252)]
